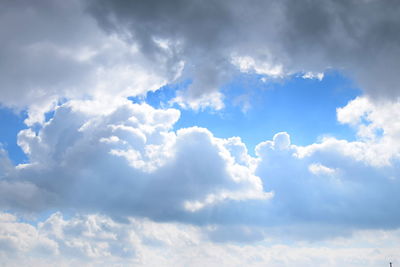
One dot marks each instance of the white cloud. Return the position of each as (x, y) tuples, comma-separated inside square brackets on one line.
[(56, 51), (212, 100), (94, 240), (280, 141), (360, 177), (102, 154), (318, 169), (19, 238), (376, 125), (248, 64), (126, 161), (127, 156), (312, 75)]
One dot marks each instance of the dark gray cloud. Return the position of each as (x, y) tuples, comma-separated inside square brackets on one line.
[(359, 38), (59, 49)]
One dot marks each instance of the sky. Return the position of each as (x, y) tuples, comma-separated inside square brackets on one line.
[(199, 133)]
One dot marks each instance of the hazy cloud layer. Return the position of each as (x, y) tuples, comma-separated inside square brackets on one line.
[(94, 240)]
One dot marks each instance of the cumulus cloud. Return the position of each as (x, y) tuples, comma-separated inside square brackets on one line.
[(321, 190), (329, 186), (338, 182), (127, 161)]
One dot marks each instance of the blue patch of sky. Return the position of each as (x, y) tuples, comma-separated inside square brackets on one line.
[(10, 124), (161, 97), (38, 217), (305, 108), (49, 115)]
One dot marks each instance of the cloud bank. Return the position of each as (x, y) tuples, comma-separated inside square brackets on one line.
[(94, 240), (127, 161)]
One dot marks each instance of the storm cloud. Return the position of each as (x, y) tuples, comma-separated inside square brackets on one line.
[(357, 37)]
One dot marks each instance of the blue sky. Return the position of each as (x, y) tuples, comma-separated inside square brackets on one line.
[(199, 133), (12, 122), (305, 108)]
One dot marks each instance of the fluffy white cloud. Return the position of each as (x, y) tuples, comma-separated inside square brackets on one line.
[(331, 186), (19, 238), (323, 189), (377, 125), (126, 160)]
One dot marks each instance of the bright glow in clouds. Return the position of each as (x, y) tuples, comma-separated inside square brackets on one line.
[(111, 180)]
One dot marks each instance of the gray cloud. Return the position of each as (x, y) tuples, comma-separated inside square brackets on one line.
[(59, 50), (357, 37), (54, 51)]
